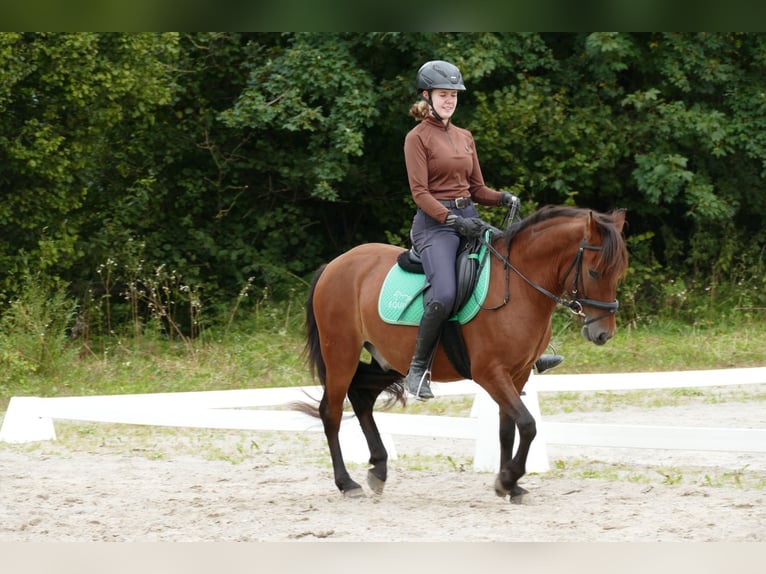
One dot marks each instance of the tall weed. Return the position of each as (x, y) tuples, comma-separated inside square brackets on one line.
[(34, 332)]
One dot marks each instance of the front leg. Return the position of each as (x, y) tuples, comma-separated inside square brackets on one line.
[(507, 436), (512, 468)]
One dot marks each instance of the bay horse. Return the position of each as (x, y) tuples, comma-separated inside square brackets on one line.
[(557, 256)]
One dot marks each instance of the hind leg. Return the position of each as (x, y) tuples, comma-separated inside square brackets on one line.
[(331, 413), (363, 402)]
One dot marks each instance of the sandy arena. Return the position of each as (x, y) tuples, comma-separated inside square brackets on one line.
[(121, 483)]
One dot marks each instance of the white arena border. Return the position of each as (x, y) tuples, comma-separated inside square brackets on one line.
[(31, 418)]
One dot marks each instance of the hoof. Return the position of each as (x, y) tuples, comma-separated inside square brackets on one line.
[(518, 494), (500, 490), (375, 483), (355, 492)]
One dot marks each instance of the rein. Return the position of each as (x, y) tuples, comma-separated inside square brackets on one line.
[(574, 303)]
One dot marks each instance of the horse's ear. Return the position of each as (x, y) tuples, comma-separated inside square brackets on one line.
[(618, 218), (590, 227)]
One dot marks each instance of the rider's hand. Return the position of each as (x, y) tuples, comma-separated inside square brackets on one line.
[(470, 227), (507, 199)]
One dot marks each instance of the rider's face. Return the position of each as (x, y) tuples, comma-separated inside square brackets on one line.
[(444, 103)]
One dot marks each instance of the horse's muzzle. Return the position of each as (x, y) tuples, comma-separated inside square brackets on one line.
[(596, 335)]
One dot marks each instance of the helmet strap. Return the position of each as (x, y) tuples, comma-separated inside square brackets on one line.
[(431, 103)]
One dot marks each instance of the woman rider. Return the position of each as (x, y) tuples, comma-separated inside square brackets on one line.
[(446, 181)]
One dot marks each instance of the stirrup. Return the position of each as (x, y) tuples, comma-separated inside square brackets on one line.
[(423, 391)]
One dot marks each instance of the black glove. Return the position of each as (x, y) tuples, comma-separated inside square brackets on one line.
[(470, 227), (507, 199)]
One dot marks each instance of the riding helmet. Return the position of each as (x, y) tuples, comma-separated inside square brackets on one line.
[(439, 75)]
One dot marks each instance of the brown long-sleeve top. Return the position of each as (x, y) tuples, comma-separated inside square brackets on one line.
[(442, 164)]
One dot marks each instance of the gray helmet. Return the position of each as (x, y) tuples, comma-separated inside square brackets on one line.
[(439, 75)]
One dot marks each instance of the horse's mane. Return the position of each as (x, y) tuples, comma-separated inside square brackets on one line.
[(613, 254)]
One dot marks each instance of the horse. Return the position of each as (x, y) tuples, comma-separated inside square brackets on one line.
[(559, 255)]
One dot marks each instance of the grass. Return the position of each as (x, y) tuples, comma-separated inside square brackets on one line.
[(161, 443), (247, 357), (589, 469), (664, 346)]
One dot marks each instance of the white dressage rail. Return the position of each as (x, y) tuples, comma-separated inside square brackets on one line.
[(31, 418)]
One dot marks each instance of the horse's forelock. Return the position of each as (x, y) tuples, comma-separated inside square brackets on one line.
[(614, 254)]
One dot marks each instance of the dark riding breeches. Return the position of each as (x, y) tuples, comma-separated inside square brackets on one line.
[(438, 246)]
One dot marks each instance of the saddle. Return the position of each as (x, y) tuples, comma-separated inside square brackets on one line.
[(466, 270)]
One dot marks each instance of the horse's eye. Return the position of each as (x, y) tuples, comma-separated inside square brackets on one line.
[(594, 274)]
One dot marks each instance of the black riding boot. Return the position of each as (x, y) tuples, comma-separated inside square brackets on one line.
[(417, 383), (547, 362)]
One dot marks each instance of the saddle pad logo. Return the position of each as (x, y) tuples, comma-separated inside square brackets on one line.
[(399, 301)]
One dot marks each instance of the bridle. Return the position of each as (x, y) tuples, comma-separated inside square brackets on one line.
[(575, 304), (573, 301)]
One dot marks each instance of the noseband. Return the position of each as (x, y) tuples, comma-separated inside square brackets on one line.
[(575, 302)]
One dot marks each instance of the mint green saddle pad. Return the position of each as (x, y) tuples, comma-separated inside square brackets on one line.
[(401, 296)]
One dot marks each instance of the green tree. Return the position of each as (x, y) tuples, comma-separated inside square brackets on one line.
[(250, 158), (66, 101)]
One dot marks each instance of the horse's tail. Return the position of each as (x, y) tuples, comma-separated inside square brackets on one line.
[(313, 350)]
